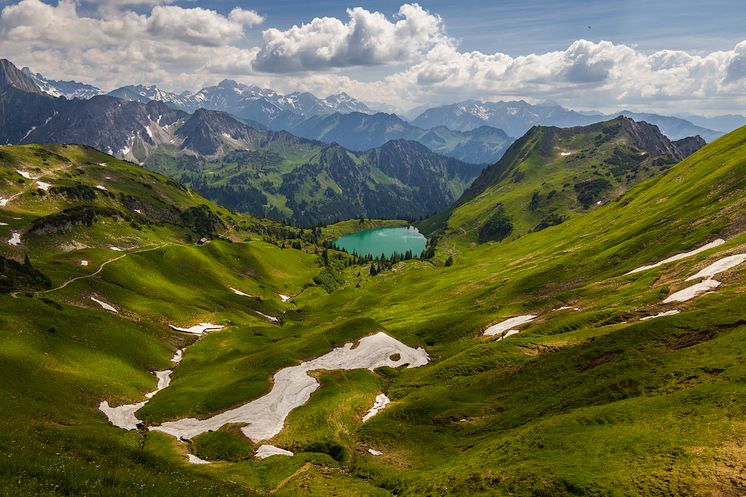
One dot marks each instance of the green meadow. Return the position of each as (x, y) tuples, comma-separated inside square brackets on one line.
[(585, 400)]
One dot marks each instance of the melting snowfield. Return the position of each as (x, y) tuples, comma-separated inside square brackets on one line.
[(720, 266), (505, 328), (198, 329), (708, 284), (268, 317), (661, 315), (692, 291), (678, 257), (124, 416), (381, 402), (265, 417), (103, 304), (266, 451)]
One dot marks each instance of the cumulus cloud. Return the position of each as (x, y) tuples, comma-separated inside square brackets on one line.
[(587, 74), (186, 48), (168, 45), (367, 38), (198, 25)]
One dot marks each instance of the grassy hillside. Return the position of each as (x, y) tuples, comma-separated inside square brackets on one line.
[(586, 400), (553, 174)]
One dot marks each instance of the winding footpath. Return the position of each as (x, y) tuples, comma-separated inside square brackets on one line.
[(101, 268)]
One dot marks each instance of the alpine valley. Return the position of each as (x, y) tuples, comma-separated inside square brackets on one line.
[(177, 318)]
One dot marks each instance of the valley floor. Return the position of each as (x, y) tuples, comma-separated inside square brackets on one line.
[(606, 385)]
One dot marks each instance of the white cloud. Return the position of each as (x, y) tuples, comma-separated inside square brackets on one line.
[(599, 75), (186, 48), (169, 45), (199, 26), (368, 38)]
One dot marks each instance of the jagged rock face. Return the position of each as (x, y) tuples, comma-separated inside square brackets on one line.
[(650, 139), (687, 146), (205, 133), (109, 124), (145, 94), (67, 89), (12, 77)]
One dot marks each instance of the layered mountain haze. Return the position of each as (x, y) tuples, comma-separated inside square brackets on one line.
[(517, 117), (358, 131), (270, 173)]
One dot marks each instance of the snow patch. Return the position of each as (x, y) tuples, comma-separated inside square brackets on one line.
[(239, 292), (375, 452), (678, 257), (285, 298), (196, 460), (506, 325), (25, 174), (178, 356), (101, 187), (381, 402), (265, 417), (103, 304), (719, 266), (509, 333), (198, 329), (122, 416), (266, 451), (164, 380), (266, 316), (661, 315), (83, 263), (692, 291), (15, 238), (43, 186)]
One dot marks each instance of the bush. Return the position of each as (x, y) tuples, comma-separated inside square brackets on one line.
[(588, 192), (16, 276), (497, 227)]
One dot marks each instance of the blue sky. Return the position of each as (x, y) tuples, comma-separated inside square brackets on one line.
[(521, 27), (652, 55)]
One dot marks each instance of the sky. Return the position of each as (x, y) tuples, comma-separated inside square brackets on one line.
[(658, 56)]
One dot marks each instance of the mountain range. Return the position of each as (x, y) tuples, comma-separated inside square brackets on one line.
[(268, 173), (517, 117), (359, 131), (552, 174), (278, 111)]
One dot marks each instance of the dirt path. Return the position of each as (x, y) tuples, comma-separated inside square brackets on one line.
[(297, 472), (101, 268)]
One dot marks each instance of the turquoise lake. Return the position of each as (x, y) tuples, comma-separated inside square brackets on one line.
[(385, 241)]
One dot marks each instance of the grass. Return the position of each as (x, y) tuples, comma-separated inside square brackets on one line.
[(581, 402)]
